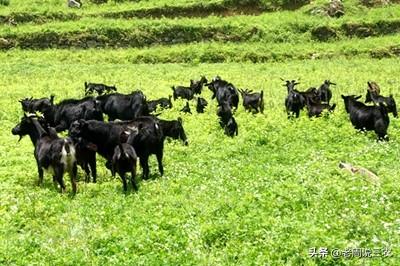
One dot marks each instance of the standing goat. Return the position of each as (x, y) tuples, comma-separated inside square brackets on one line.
[(54, 154), (253, 100), (124, 161)]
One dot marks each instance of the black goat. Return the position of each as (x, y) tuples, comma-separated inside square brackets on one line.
[(227, 121), (37, 105), (253, 101), (325, 92), (64, 113), (182, 92), (124, 107), (162, 102), (294, 101), (388, 102), (52, 153), (124, 161), (197, 86), (186, 109), (311, 94), (86, 158), (201, 104), (144, 134), (173, 129), (365, 117), (224, 91), (316, 108), (231, 127)]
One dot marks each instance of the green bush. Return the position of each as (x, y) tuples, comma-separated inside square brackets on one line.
[(4, 2)]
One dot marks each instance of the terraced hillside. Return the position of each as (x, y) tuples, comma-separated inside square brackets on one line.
[(265, 197)]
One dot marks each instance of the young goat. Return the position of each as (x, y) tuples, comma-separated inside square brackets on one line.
[(54, 154), (253, 100), (201, 104), (124, 161), (325, 92)]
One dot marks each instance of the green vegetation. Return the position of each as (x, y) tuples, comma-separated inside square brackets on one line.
[(264, 197)]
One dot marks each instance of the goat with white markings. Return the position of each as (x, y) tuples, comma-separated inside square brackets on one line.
[(53, 154), (124, 161)]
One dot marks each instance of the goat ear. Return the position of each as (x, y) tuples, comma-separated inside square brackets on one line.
[(357, 97)]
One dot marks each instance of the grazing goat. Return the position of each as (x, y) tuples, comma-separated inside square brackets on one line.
[(173, 129), (231, 127), (186, 109), (227, 121), (316, 108), (201, 104), (54, 154), (224, 91), (253, 101), (197, 86), (162, 102), (311, 94), (124, 161), (366, 118)]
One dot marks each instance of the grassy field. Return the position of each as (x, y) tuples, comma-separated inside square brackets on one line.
[(264, 197)]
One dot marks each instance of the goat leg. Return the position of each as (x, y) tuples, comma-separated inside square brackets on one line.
[(133, 181), (159, 156), (123, 177), (92, 165), (40, 171), (72, 176), (58, 172), (144, 163)]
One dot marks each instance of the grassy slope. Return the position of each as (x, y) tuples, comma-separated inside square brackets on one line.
[(267, 195)]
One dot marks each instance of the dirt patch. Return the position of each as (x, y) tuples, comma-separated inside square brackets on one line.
[(323, 33), (378, 3), (225, 8), (38, 18)]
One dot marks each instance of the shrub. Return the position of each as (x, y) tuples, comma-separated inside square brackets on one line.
[(4, 2)]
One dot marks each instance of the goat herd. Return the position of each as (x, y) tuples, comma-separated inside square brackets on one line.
[(132, 132)]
